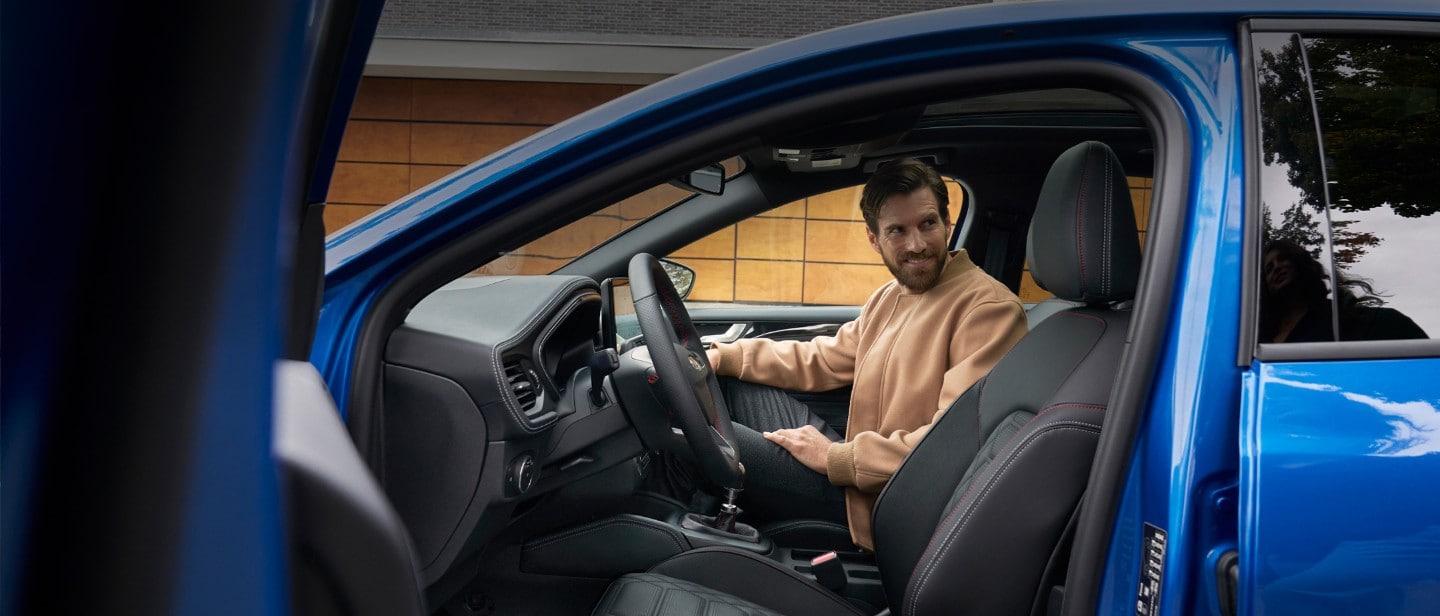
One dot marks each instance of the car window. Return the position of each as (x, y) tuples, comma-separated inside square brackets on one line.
[(1350, 135), (809, 252)]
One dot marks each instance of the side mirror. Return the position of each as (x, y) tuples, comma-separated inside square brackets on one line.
[(681, 276), (709, 179)]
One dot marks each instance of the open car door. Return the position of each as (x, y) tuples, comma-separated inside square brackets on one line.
[(164, 177)]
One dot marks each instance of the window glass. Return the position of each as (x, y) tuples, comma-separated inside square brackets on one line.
[(558, 247), (1350, 187), (813, 251)]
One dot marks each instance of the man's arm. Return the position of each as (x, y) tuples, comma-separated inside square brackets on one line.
[(869, 459), (822, 364)]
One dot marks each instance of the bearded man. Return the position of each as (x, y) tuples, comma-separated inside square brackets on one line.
[(919, 342)]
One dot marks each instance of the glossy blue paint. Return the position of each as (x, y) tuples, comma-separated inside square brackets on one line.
[(1185, 452), (1356, 441)]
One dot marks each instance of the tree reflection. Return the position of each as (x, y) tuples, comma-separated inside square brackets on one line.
[(1377, 106)]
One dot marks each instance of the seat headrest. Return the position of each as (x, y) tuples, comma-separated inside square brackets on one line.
[(1083, 244)]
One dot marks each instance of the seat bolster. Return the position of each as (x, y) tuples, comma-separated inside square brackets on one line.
[(756, 579), (650, 594), (1013, 514)]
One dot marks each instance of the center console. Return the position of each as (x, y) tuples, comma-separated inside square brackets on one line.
[(662, 528)]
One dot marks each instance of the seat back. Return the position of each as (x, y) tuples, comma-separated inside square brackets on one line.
[(968, 523), (349, 551)]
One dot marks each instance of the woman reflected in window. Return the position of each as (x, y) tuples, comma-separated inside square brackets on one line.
[(1295, 302)]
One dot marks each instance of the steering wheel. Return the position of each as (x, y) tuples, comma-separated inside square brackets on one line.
[(686, 383)]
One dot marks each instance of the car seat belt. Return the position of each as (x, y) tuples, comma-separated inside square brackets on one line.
[(995, 249)]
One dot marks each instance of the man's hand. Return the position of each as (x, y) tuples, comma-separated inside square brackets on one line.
[(806, 443)]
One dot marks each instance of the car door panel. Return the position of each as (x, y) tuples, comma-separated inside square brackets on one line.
[(1335, 514), (762, 320)]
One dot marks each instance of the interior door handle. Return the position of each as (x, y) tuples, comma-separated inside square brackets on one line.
[(730, 335)]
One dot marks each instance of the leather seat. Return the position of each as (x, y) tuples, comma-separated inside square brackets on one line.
[(971, 519)]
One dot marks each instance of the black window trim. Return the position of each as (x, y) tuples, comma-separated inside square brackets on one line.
[(1250, 349)]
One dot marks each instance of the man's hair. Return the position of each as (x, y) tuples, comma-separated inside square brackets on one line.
[(901, 177)]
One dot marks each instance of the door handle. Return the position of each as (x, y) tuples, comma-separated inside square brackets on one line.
[(730, 335)]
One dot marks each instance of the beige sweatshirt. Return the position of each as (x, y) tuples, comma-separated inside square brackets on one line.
[(909, 357)]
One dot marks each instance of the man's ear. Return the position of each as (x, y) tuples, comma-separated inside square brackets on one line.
[(874, 243)]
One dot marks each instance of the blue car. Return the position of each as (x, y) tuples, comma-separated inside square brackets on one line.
[(1220, 218)]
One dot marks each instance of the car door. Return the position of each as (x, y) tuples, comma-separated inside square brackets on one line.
[(165, 157), (1340, 415)]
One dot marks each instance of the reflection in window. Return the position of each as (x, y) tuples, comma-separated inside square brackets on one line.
[(1353, 205)]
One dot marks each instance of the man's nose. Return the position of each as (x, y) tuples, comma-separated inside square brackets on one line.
[(913, 242)]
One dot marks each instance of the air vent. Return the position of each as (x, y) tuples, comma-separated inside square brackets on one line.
[(524, 384)]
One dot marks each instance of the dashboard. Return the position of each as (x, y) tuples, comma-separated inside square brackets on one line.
[(487, 407)]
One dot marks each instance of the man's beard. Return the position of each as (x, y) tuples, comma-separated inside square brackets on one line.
[(916, 281)]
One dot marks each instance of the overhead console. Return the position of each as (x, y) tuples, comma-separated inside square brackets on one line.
[(487, 405), (843, 144)]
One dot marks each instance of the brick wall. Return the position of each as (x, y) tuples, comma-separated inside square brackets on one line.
[(406, 133)]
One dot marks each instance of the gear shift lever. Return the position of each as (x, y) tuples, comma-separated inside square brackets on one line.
[(729, 511), (725, 522)]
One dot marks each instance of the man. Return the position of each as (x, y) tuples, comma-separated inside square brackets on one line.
[(919, 342)]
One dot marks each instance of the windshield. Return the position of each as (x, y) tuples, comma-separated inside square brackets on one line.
[(549, 253)]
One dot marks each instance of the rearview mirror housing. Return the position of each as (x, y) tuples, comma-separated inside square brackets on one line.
[(709, 180)]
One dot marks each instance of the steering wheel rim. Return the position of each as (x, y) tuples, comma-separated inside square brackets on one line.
[(686, 383)]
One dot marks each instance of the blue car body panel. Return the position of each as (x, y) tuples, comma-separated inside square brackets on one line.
[(1184, 447), (1341, 514)]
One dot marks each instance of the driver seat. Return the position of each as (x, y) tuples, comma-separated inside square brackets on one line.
[(970, 520)]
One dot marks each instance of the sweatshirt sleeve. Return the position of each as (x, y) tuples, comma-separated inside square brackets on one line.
[(868, 459), (822, 364)]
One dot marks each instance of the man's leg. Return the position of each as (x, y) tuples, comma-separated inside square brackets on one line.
[(764, 408), (777, 486)]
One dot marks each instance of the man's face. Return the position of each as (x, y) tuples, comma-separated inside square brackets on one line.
[(910, 236)]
